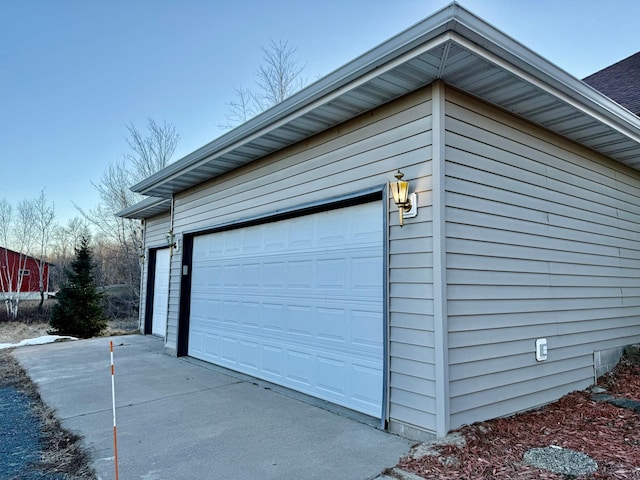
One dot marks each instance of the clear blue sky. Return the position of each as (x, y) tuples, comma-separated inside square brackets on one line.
[(73, 73)]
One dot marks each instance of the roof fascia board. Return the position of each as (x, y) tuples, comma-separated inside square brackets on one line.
[(332, 94), (478, 31), (134, 210), (565, 87), (370, 61), (452, 22)]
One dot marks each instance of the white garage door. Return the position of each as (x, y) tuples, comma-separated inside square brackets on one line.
[(297, 302), (161, 293)]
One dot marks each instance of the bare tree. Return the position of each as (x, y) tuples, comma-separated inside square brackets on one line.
[(65, 240), (120, 237), (242, 109), (152, 152), (114, 195), (16, 233), (44, 215), (279, 74), (277, 77), (7, 270)]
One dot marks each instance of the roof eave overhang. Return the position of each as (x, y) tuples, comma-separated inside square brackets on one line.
[(435, 48), (149, 207)]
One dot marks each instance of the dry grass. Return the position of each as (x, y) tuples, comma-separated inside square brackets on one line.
[(122, 326), (32, 324), (61, 450), (14, 332), (28, 311)]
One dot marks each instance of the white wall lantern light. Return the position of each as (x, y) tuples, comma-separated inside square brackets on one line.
[(407, 203)]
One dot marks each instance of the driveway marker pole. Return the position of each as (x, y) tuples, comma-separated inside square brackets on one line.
[(113, 402)]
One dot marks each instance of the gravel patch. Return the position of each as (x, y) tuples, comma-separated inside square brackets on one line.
[(561, 460), (19, 433), (21, 445), (33, 444)]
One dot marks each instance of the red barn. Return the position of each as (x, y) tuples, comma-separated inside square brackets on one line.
[(19, 273)]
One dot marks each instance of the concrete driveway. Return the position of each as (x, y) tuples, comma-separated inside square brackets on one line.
[(178, 419)]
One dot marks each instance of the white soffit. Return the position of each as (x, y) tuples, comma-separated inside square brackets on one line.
[(147, 208), (453, 45)]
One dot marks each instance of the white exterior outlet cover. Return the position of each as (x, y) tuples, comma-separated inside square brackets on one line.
[(541, 349)]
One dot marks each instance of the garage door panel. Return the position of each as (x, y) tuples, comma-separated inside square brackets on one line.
[(353, 329), (300, 274), (297, 322), (296, 302), (332, 376), (337, 274), (331, 273), (331, 325), (196, 341), (272, 361), (233, 241), (274, 275), (272, 317), (229, 350), (364, 275), (231, 275), (250, 275), (250, 355), (229, 313), (251, 312), (302, 237), (364, 335), (347, 380), (298, 368), (274, 237), (365, 391), (212, 345), (252, 240)]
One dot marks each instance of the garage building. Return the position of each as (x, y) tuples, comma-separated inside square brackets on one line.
[(277, 249)]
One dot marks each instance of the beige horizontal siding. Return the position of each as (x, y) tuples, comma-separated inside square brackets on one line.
[(355, 156), (341, 160), (156, 229), (173, 310), (542, 241)]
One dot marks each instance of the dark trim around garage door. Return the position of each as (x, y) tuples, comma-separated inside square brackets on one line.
[(356, 198), (151, 279)]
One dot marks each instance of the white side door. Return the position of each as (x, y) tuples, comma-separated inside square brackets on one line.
[(161, 293)]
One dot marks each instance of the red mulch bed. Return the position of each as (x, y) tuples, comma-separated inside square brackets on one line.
[(494, 449)]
